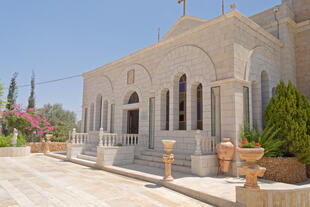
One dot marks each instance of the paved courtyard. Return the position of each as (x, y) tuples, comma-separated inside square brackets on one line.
[(43, 181)]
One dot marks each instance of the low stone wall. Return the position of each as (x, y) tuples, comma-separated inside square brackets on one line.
[(115, 155), (290, 197), (284, 169), (308, 171), (39, 147), (14, 151)]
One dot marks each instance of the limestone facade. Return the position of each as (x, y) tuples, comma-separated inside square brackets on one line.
[(237, 60)]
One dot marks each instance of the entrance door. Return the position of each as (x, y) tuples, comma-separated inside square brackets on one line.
[(151, 123), (133, 122)]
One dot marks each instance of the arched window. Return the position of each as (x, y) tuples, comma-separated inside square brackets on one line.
[(105, 116), (264, 93), (85, 120), (199, 107), (98, 112), (91, 117), (167, 110), (134, 98), (255, 105), (182, 103)]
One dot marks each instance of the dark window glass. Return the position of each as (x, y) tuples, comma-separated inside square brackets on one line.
[(167, 110), (134, 98), (182, 103)]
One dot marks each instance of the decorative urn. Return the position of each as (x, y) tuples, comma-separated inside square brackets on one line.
[(250, 168), (48, 137), (225, 153), (168, 144), (168, 158)]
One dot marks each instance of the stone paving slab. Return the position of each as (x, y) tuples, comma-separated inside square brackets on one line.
[(219, 191), (38, 180)]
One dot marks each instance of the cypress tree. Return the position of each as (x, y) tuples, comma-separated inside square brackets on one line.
[(12, 94), (31, 99), (289, 111)]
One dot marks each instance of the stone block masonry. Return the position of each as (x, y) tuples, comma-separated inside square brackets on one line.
[(287, 170)]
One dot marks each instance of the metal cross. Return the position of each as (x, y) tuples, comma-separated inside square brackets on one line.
[(184, 5)]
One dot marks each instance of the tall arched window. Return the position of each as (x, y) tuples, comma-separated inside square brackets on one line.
[(105, 116), (167, 110), (134, 98), (91, 117), (199, 107), (182, 103), (98, 112), (85, 120), (264, 93)]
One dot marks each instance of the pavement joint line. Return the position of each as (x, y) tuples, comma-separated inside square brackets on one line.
[(204, 197)]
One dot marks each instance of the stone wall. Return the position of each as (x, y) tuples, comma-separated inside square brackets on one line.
[(295, 196), (287, 170), (38, 147)]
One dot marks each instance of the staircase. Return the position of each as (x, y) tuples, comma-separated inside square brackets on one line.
[(182, 163)]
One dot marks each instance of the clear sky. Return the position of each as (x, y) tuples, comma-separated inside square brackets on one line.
[(59, 38)]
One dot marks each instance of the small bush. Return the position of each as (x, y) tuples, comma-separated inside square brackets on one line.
[(119, 145), (5, 141)]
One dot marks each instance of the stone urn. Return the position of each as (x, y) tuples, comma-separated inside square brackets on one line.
[(46, 144), (225, 153), (168, 158), (48, 137), (250, 168), (168, 144)]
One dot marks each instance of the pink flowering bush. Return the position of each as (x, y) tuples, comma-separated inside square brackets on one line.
[(27, 121)]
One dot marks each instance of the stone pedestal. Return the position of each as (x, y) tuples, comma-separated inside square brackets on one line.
[(73, 150), (168, 158), (250, 169), (204, 165)]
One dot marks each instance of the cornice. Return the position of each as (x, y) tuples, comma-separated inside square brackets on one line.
[(203, 26)]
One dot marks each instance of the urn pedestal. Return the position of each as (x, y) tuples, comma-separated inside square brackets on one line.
[(168, 158), (48, 140), (225, 153), (250, 168)]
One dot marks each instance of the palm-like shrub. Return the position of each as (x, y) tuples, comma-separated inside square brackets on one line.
[(289, 113)]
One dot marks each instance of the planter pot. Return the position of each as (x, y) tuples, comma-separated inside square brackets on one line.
[(225, 153), (250, 169), (251, 155), (168, 144)]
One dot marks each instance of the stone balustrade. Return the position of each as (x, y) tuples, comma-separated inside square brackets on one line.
[(205, 145), (102, 138)]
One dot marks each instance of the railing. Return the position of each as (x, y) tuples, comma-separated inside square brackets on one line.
[(101, 138), (109, 139), (78, 138), (205, 145)]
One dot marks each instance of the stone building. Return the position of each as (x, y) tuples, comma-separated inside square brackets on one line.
[(206, 75)]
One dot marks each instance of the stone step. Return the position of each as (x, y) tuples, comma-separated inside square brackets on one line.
[(89, 153), (162, 165), (160, 154), (179, 162), (87, 157)]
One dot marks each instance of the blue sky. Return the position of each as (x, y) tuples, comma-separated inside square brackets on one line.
[(59, 38)]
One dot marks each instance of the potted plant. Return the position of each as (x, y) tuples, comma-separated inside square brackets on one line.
[(250, 151)]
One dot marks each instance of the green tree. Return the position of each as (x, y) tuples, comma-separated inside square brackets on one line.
[(289, 112), (31, 100), (1, 94), (63, 120), (12, 94)]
